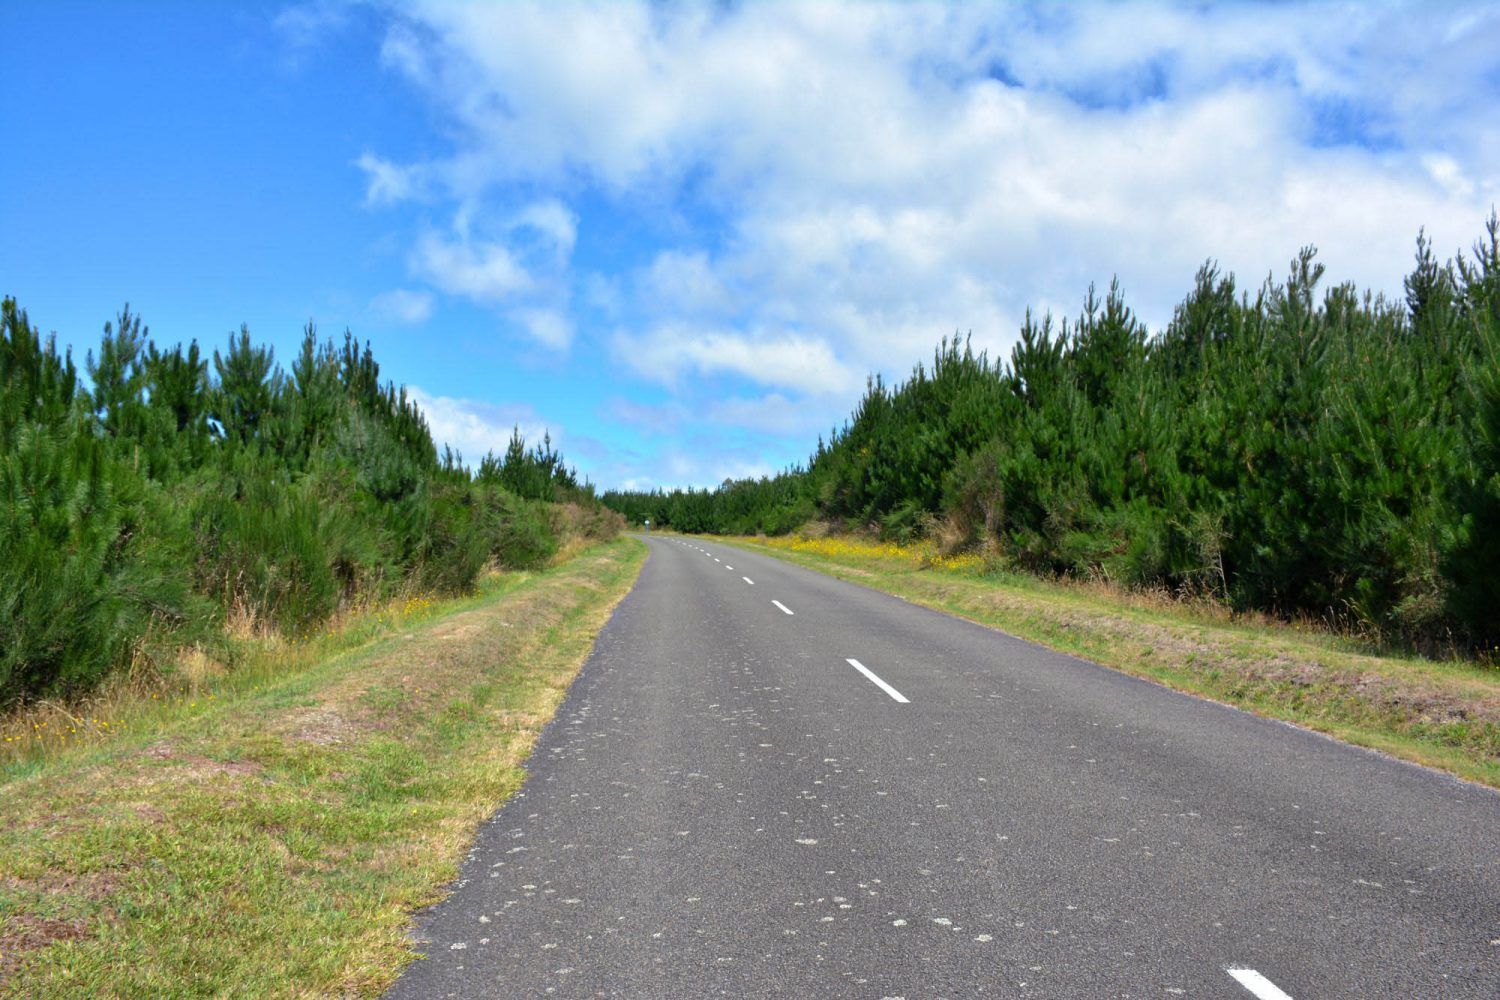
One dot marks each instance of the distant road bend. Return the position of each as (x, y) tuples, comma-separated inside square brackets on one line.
[(767, 782)]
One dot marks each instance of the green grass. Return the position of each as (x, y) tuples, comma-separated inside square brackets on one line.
[(274, 836), (1440, 713)]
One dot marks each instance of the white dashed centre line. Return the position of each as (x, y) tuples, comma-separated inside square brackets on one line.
[(728, 567), (897, 695), (748, 580), (1257, 984), (783, 607)]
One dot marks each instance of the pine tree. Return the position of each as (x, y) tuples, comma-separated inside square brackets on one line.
[(242, 402)]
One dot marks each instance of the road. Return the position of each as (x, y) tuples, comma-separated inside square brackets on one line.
[(767, 782)]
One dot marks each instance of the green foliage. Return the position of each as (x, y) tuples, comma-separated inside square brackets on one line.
[(536, 473), (77, 587), (771, 505), (524, 538), (269, 548), (1472, 564), (241, 402), (1299, 450), (65, 606), (169, 493)]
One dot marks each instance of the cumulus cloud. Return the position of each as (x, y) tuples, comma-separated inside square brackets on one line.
[(475, 427), (550, 225), (686, 283), (843, 184), (667, 352), (773, 413), (548, 327), (871, 153), (517, 263), (484, 271)]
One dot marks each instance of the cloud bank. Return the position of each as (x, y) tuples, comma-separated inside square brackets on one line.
[(824, 190)]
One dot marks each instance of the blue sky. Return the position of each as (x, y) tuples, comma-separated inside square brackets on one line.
[(680, 236)]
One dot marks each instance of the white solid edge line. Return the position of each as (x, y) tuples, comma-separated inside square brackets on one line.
[(783, 607), (1257, 984), (897, 695), (748, 580)]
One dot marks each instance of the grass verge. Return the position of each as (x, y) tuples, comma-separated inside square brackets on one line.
[(1444, 714), (274, 840)]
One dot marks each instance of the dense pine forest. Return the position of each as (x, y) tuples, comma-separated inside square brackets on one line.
[(1295, 449), (170, 492)]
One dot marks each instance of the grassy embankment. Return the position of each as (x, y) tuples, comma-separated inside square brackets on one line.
[(270, 832), (1444, 714)]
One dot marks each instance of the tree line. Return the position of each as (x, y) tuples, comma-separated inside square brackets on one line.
[(171, 490), (1293, 448)]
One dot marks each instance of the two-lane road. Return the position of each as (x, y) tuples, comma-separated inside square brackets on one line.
[(769, 782)]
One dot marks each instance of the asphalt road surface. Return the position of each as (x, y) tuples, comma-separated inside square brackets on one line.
[(766, 782)]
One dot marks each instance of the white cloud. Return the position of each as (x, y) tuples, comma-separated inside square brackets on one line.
[(551, 223), (518, 263), (884, 189), (548, 327), (773, 413), (474, 427), (686, 283), (843, 184), (482, 271), (387, 183), (668, 352), (305, 25), (402, 305)]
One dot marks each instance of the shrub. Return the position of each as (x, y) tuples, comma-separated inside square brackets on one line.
[(75, 593), (523, 535)]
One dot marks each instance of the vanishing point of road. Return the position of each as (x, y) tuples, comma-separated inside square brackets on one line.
[(767, 782)]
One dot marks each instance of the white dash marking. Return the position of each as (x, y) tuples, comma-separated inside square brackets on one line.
[(728, 567), (748, 580), (897, 695), (1257, 984), (783, 607)]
